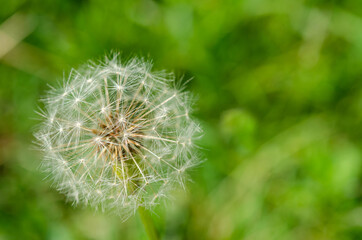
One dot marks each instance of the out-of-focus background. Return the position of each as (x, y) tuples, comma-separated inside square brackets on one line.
[(280, 100)]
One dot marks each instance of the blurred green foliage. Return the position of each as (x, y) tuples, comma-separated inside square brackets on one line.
[(280, 100)]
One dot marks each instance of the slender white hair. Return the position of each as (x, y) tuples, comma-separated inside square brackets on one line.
[(117, 136)]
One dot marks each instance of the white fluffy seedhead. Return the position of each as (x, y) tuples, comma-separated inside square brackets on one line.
[(117, 136)]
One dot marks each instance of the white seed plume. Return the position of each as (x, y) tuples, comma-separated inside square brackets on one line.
[(116, 136)]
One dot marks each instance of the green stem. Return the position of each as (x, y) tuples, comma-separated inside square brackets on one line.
[(148, 224)]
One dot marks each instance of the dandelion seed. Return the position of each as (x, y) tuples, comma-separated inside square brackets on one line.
[(128, 139)]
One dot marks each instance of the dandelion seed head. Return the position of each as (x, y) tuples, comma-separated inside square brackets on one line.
[(117, 136)]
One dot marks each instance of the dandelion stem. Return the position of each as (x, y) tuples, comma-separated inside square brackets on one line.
[(148, 224)]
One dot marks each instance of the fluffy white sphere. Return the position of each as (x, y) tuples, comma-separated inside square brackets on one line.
[(117, 136)]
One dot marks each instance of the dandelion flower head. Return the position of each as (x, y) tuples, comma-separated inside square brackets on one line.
[(117, 136)]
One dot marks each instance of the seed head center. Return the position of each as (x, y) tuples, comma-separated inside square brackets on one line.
[(117, 137)]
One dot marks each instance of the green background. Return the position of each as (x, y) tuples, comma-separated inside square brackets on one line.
[(279, 98)]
